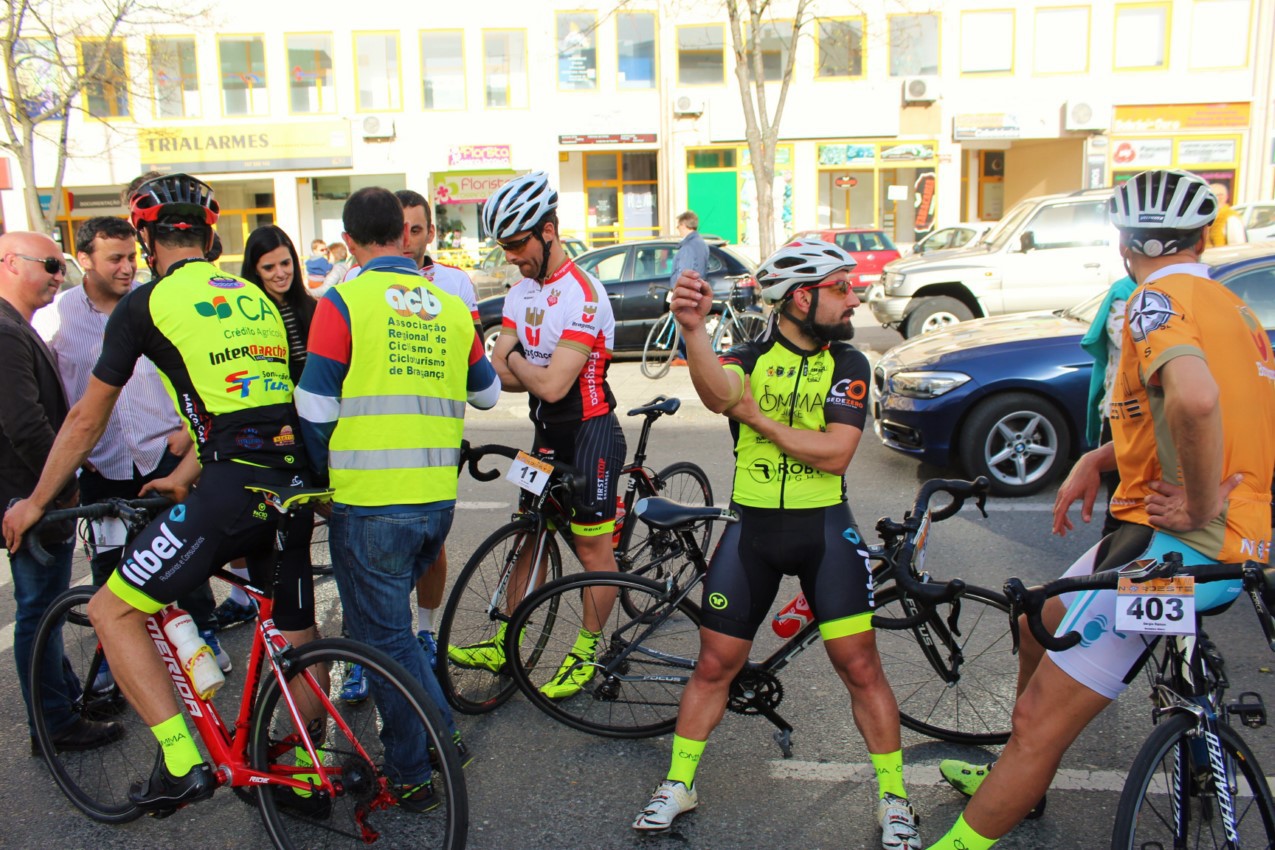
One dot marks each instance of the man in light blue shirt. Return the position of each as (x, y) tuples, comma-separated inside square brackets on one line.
[(692, 255)]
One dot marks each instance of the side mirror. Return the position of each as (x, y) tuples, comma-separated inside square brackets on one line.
[(1027, 241)]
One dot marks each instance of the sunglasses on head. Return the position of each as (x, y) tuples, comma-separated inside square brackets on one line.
[(52, 265), (842, 286), (515, 244)]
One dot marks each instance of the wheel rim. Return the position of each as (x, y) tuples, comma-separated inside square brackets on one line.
[(938, 321), (1021, 448), (489, 344)]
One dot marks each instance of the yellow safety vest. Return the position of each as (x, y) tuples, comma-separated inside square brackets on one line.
[(397, 441)]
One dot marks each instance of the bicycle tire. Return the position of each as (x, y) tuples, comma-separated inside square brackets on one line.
[(654, 553), (1147, 802), (470, 618), (97, 780), (646, 703), (320, 549), (660, 347), (749, 325), (977, 707), (351, 746)]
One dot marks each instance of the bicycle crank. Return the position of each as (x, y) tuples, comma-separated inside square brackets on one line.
[(758, 692)]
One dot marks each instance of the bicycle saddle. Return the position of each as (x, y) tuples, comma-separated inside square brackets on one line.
[(659, 404), (284, 499), (666, 513)]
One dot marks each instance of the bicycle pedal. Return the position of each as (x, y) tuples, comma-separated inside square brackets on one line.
[(1250, 709), (160, 814)]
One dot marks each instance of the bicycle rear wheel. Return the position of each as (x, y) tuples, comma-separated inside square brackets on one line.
[(351, 742), (477, 610), (976, 706), (1170, 799), (642, 663), (743, 327), (97, 780), (661, 346), (682, 482)]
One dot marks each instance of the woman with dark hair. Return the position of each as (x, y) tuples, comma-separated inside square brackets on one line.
[(270, 261)]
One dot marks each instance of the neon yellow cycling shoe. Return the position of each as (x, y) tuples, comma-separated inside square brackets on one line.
[(576, 670), (484, 655)]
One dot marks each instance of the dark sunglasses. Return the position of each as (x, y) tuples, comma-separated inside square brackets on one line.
[(842, 286), (516, 244), (52, 265)]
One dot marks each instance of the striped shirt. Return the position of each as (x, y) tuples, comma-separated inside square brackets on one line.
[(296, 342), (137, 432)]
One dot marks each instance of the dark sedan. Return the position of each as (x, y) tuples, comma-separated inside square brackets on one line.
[(1005, 397), (634, 275)]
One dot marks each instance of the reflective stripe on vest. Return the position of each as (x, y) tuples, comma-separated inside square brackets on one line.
[(369, 459), (402, 404)]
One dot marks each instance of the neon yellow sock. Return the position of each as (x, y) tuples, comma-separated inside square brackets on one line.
[(889, 767), (961, 837), (686, 755), (303, 760), (180, 752), (586, 643)]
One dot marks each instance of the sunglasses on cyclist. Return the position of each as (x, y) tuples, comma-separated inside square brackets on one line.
[(515, 245), (841, 286), (52, 265)]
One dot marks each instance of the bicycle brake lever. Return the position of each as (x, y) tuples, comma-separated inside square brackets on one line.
[(953, 616), (981, 504)]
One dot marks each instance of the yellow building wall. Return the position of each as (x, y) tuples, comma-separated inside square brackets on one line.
[(1043, 167)]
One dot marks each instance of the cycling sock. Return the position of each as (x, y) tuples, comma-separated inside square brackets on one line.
[(961, 837), (686, 755), (889, 767), (180, 752), (303, 760), (424, 619), (586, 643)]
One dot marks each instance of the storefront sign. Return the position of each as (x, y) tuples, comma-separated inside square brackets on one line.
[(1142, 153), (1198, 151), (608, 139), (909, 151), (986, 125), (468, 187), (1184, 116), (246, 147), (847, 154), (479, 156)]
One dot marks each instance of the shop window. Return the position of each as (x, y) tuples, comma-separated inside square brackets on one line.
[(378, 80), (443, 69), (310, 74), (104, 71), (577, 51), (174, 77), (635, 50), (621, 192), (775, 37), (1218, 28), (701, 55), (914, 45), (1142, 37), (243, 75), (839, 47), (987, 42), (1061, 41), (719, 158), (505, 68)]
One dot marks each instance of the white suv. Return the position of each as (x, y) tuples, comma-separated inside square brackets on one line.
[(1047, 253)]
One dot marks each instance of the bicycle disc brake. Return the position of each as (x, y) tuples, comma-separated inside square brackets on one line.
[(755, 692)]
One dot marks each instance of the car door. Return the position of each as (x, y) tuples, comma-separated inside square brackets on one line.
[(1069, 256), (646, 291), (607, 265)]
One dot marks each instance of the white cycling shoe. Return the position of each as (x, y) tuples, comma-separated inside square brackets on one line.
[(669, 800), (898, 824)]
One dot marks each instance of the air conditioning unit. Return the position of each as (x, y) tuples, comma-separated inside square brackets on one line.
[(1086, 116), (920, 89), (686, 104), (377, 127)]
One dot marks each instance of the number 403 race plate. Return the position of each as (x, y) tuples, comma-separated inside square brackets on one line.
[(1162, 606)]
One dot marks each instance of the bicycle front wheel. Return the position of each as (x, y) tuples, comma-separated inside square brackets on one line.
[(746, 327), (661, 346), (96, 780), (352, 744), (954, 681), (1171, 796), (632, 686), (477, 610), (658, 553)]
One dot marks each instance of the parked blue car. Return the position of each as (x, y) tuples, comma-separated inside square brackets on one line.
[(1005, 397)]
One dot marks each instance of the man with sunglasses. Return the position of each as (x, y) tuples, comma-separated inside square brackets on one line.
[(796, 400)]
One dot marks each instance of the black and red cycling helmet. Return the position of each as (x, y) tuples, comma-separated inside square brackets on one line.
[(176, 201)]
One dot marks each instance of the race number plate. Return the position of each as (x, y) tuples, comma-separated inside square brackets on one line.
[(529, 473), (1161, 606), (919, 541), (109, 532)]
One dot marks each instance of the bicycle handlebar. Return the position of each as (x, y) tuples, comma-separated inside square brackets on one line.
[(129, 510), (471, 455)]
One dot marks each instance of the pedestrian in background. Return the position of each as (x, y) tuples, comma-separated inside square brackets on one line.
[(317, 265), (692, 256)]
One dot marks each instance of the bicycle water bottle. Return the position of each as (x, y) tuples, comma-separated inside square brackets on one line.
[(196, 657), (793, 617), (619, 520)]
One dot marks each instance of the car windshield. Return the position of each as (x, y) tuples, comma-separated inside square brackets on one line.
[(998, 235)]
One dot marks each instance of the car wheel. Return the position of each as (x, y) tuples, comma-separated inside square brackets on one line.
[(1018, 440), (490, 334), (934, 313)]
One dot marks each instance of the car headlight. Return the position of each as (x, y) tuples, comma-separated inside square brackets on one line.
[(892, 281), (926, 384)]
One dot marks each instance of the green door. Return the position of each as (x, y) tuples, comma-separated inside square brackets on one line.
[(714, 197)]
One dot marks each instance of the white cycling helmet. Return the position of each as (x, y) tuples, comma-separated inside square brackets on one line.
[(802, 262), (519, 205), (1150, 206)]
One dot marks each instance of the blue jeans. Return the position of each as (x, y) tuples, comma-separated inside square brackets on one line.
[(34, 588), (377, 561)]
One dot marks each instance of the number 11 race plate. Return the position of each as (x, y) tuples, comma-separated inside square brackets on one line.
[(529, 473), (1161, 606)]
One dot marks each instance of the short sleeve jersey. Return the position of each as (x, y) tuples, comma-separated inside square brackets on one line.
[(805, 390), (1189, 315), (220, 346), (454, 281), (570, 310)]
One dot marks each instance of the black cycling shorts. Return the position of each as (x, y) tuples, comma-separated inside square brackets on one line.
[(218, 522), (596, 447), (767, 544)]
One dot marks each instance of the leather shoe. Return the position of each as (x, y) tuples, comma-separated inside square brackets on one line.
[(83, 735), (162, 791)]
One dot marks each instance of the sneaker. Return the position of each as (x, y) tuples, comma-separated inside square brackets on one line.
[(486, 655), (354, 689), (162, 791), (678, 361), (223, 658), (426, 639), (230, 613), (898, 823), (966, 778), (417, 799), (575, 671), (669, 800)]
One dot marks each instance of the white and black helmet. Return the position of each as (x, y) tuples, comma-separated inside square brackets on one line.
[(1150, 207), (519, 205), (802, 262)]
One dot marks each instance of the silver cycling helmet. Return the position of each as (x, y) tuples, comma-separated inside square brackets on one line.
[(519, 205), (1150, 207), (805, 261)]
